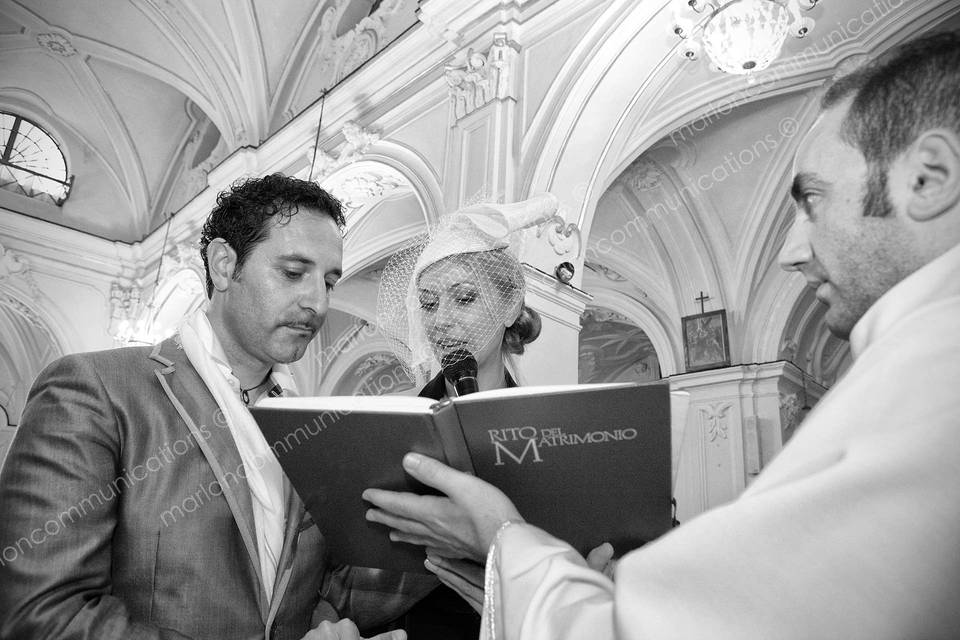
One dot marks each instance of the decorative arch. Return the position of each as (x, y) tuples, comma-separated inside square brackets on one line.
[(807, 342), (369, 368), (30, 344), (666, 346), (415, 168), (613, 349), (386, 173)]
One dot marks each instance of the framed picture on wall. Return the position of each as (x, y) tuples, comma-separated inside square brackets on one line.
[(706, 344)]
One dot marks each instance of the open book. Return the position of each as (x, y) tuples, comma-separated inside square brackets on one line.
[(588, 463)]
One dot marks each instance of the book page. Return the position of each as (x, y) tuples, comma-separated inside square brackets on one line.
[(540, 390), (414, 404), (345, 404), (679, 405)]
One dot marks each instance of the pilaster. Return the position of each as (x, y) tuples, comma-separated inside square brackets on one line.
[(483, 89), (739, 419)]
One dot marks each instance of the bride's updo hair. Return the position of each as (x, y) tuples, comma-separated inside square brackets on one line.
[(523, 331)]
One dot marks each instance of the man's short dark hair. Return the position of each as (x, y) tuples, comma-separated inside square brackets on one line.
[(910, 89), (243, 213)]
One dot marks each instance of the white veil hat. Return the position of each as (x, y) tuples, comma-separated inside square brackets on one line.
[(463, 237)]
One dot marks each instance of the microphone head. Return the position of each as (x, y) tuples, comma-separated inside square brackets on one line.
[(457, 364)]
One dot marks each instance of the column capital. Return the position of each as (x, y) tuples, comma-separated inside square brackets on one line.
[(483, 76)]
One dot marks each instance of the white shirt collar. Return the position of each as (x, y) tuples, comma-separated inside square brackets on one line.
[(262, 470), (935, 281), (279, 374)]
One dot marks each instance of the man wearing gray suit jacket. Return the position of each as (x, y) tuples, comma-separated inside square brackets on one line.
[(140, 500)]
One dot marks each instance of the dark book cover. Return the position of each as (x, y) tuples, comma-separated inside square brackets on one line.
[(587, 463), (330, 457), (590, 465)]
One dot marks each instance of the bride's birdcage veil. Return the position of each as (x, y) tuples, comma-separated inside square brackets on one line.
[(456, 287)]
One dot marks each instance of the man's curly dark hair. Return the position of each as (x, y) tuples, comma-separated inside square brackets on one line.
[(243, 213)]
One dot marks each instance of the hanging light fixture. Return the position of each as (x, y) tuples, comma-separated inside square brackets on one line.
[(740, 36)]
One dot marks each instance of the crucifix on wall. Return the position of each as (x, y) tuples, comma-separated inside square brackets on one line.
[(706, 344), (701, 300)]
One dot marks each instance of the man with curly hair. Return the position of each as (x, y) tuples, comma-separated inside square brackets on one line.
[(139, 497)]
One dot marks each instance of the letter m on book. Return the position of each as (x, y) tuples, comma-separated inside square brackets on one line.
[(531, 446)]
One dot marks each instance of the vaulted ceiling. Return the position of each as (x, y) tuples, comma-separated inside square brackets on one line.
[(675, 173), (146, 97)]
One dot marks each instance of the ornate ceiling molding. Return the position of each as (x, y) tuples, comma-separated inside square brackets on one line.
[(15, 272), (600, 314), (483, 77), (642, 175), (22, 303), (57, 42), (22, 309), (359, 191), (610, 274), (320, 52), (357, 141), (182, 256)]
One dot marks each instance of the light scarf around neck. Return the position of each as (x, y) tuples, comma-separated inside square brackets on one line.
[(263, 472)]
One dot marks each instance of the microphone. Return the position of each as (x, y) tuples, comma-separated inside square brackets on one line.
[(460, 369)]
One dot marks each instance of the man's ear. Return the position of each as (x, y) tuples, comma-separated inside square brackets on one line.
[(933, 174), (221, 261)]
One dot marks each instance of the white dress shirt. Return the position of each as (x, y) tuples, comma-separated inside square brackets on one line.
[(264, 475)]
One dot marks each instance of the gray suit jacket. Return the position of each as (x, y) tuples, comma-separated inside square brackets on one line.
[(124, 513)]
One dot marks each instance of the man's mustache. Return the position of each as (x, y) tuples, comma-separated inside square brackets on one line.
[(312, 321)]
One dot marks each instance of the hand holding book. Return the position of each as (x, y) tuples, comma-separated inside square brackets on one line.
[(460, 524), (463, 523)]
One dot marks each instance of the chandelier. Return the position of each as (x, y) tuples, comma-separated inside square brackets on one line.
[(739, 36)]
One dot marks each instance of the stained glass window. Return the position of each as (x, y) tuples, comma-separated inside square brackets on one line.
[(31, 163)]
